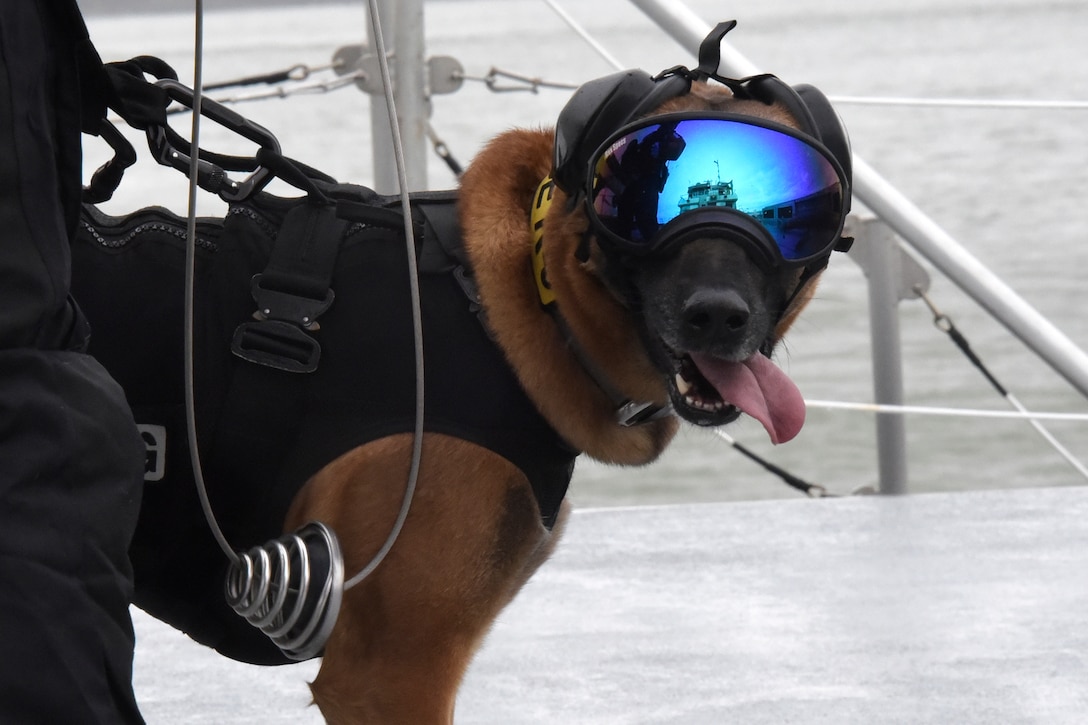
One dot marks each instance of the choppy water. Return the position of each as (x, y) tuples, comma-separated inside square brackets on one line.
[(1008, 184)]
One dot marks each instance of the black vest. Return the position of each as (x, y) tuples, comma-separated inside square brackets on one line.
[(264, 431)]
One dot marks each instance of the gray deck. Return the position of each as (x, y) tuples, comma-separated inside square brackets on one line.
[(941, 608)]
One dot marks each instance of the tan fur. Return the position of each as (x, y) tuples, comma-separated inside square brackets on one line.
[(496, 195), (405, 635)]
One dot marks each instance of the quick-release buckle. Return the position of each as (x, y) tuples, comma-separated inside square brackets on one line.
[(274, 304), (279, 337), (276, 344)]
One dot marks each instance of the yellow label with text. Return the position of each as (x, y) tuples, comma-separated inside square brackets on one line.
[(541, 201)]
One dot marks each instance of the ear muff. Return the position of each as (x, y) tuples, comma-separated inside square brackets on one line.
[(818, 118), (596, 110), (829, 128)]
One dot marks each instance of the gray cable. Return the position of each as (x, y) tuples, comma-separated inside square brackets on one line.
[(417, 317), (190, 274), (190, 265)]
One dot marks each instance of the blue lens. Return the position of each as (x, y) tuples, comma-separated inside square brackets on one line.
[(653, 173)]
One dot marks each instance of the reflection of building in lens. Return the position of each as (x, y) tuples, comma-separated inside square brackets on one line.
[(708, 193)]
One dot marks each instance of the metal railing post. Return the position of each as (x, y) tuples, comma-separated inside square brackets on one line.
[(892, 277), (402, 29)]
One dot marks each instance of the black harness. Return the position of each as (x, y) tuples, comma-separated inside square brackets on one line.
[(294, 367)]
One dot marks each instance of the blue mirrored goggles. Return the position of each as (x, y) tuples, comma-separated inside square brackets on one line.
[(662, 167)]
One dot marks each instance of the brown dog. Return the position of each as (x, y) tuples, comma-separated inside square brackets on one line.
[(474, 536), (602, 283)]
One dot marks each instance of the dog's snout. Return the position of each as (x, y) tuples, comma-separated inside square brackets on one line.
[(715, 316)]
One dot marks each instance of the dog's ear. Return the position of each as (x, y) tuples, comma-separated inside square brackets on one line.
[(596, 111)]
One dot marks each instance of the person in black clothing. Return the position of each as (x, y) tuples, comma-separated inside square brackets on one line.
[(71, 460)]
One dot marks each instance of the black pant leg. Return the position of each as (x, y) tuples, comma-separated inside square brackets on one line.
[(71, 460), (71, 470)]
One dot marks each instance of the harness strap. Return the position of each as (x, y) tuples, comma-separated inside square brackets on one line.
[(442, 224), (256, 429), (628, 412), (293, 291), (443, 252)]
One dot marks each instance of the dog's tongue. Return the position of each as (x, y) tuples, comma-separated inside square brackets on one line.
[(759, 388)]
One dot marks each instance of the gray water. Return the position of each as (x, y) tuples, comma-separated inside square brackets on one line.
[(1008, 184)]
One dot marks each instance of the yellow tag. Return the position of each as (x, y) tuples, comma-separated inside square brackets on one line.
[(541, 202)]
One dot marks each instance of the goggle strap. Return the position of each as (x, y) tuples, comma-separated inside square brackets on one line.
[(710, 59), (813, 269), (710, 50)]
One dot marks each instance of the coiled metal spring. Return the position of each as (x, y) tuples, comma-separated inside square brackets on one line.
[(291, 589)]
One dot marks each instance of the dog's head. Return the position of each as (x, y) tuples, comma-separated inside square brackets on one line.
[(713, 205)]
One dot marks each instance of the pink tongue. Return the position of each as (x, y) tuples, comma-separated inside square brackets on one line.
[(759, 388)]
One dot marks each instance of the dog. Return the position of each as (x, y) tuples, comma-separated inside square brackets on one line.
[(584, 325)]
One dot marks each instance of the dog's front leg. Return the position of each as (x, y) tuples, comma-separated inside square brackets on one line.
[(406, 635)]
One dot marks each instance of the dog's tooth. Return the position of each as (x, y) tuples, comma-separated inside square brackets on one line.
[(682, 385), (698, 403)]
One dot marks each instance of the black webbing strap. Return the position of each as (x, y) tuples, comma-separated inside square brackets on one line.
[(122, 87), (293, 291), (257, 429), (442, 225)]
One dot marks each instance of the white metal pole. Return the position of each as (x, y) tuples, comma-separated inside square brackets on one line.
[(883, 272), (402, 28), (410, 89)]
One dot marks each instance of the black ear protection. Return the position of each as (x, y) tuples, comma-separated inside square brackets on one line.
[(600, 107)]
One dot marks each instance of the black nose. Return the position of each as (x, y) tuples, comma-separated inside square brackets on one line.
[(714, 316)]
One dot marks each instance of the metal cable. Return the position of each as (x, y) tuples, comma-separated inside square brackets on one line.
[(584, 35), (987, 103), (944, 323), (417, 317), (190, 275), (274, 594), (935, 410)]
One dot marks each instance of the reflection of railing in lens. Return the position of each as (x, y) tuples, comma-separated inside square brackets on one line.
[(807, 208), (291, 589)]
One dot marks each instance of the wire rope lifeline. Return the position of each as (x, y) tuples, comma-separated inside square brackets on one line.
[(944, 323), (935, 410), (984, 103)]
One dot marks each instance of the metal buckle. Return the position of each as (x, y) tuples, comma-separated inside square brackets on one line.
[(632, 413), (276, 344), (273, 304)]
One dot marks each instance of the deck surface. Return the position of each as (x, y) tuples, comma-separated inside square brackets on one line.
[(939, 608)]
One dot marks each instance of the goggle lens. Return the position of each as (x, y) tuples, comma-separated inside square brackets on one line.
[(652, 174)]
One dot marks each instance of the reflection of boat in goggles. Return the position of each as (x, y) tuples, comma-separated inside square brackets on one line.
[(761, 177)]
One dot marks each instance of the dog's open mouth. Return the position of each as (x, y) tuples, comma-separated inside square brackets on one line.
[(708, 390)]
